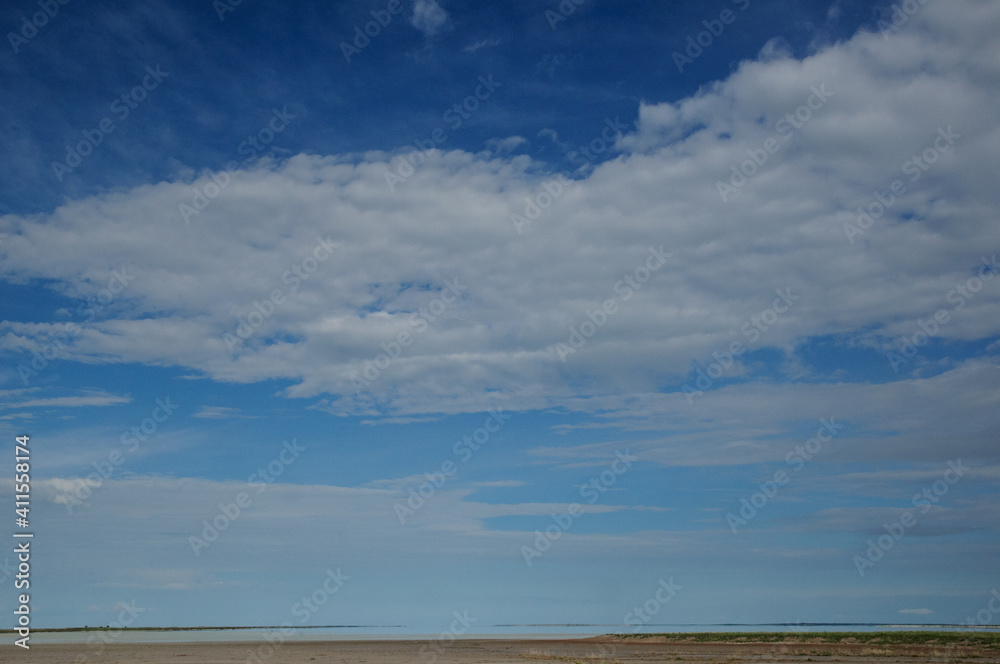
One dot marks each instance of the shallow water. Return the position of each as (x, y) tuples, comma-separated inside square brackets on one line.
[(380, 633)]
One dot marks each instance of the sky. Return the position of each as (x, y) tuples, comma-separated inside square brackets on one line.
[(543, 312)]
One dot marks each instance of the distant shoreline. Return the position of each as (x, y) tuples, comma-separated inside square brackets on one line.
[(968, 636), (107, 628)]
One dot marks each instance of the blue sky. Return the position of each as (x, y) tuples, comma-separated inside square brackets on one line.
[(519, 305)]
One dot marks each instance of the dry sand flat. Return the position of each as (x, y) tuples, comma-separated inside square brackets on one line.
[(501, 651)]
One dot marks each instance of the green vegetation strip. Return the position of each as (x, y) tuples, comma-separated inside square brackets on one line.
[(975, 639)]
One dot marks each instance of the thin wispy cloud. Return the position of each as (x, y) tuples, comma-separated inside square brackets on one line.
[(221, 413)]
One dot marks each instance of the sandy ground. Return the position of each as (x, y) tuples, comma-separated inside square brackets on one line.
[(584, 651)]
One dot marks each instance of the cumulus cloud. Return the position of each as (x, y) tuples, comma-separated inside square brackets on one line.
[(249, 261)]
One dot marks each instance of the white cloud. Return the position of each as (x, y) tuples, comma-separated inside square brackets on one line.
[(428, 17), (776, 48), (948, 416), (483, 43), (498, 484), (398, 420), (551, 134), (92, 398), (220, 413), (356, 528), (362, 521), (509, 144), (452, 220)]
